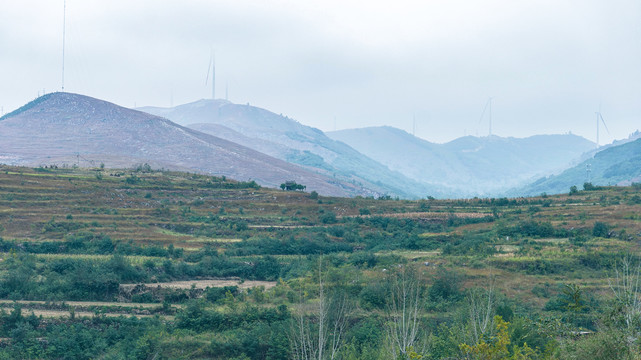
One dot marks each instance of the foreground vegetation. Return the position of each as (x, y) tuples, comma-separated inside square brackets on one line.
[(97, 263)]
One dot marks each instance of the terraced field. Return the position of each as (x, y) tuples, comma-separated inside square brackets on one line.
[(160, 250)]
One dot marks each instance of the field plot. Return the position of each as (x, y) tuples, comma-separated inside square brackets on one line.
[(203, 284), (82, 304), (86, 314)]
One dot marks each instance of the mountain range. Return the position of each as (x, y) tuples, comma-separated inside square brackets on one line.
[(63, 128), (467, 166), (249, 143), (615, 165), (288, 140)]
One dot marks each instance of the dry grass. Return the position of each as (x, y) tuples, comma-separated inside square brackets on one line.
[(433, 215), (84, 304), (134, 259), (412, 255), (85, 314), (203, 284)]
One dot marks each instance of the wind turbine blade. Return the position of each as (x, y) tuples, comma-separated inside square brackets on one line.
[(211, 58), (484, 109), (603, 121)]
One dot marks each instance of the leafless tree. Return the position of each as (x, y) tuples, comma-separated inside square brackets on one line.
[(318, 330), (625, 287), (404, 312), (481, 305)]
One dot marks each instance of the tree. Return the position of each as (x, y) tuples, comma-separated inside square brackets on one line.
[(496, 347), (292, 186), (600, 229), (626, 287), (404, 313), (481, 303), (320, 335)]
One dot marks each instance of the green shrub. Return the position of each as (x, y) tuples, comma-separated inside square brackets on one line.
[(600, 229)]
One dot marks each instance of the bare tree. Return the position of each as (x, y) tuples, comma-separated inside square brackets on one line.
[(626, 290), (404, 312), (318, 330), (481, 304)]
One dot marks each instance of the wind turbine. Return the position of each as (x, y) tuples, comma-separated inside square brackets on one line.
[(487, 104), (600, 117), (212, 66)]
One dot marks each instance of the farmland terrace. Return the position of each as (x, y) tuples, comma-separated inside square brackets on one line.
[(221, 268)]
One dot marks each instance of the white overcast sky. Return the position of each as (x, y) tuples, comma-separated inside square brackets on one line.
[(548, 64)]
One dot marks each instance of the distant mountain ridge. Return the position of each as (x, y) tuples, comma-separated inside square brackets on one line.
[(287, 139), (62, 127), (467, 166), (614, 165), (248, 143)]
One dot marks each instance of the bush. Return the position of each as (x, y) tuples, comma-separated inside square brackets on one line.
[(446, 286), (328, 218), (217, 294), (600, 229), (605, 345)]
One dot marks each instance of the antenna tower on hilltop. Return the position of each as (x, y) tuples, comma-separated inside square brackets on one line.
[(64, 26)]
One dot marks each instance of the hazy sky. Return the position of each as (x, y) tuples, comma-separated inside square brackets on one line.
[(548, 64)]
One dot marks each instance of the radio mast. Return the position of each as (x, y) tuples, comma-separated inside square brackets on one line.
[(64, 20)]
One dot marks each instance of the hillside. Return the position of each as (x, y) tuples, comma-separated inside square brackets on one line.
[(467, 166), (615, 165), (64, 128), (288, 140), (112, 263)]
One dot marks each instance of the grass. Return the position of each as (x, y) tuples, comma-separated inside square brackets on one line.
[(135, 259)]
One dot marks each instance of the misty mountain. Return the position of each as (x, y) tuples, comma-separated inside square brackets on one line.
[(467, 166), (590, 154), (288, 140), (615, 165), (63, 128)]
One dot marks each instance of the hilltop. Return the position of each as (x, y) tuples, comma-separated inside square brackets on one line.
[(68, 129)]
